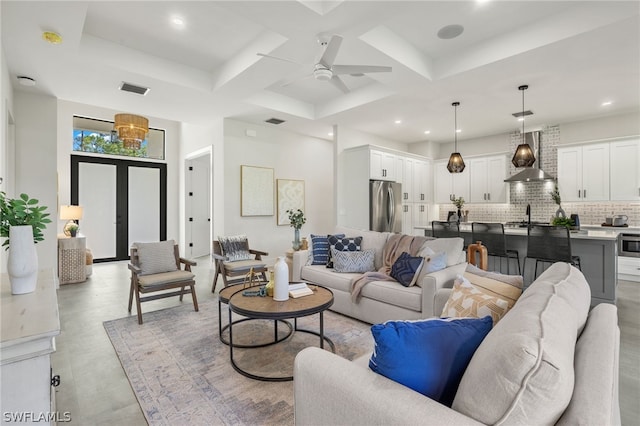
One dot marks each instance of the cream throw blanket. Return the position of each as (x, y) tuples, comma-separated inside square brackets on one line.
[(394, 247)]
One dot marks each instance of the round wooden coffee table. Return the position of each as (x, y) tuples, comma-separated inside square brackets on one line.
[(266, 308)]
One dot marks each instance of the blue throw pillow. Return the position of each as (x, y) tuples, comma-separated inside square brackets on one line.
[(342, 243), (406, 268), (428, 356), (320, 248)]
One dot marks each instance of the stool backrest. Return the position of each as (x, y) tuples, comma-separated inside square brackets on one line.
[(492, 237), (444, 229), (549, 242)]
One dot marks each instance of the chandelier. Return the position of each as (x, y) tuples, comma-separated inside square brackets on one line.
[(523, 157), (132, 129)]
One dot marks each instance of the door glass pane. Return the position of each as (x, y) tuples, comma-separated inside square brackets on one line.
[(144, 204), (97, 196)]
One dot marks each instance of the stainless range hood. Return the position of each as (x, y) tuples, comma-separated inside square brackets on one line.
[(535, 173)]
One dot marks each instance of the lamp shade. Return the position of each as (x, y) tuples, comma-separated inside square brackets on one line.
[(71, 212), (456, 163), (132, 129), (523, 157)]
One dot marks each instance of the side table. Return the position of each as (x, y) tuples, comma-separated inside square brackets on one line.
[(72, 259)]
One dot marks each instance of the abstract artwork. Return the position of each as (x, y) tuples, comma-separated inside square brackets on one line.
[(256, 191)]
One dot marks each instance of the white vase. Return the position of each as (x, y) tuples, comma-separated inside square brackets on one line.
[(281, 287), (22, 263)]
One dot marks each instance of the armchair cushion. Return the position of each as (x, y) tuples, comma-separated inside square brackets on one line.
[(164, 278), (154, 258), (235, 247), (243, 265)]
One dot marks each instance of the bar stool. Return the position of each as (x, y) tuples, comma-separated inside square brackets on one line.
[(492, 236), (444, 229), (549, 244)]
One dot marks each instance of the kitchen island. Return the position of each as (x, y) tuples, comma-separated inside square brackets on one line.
[(597, 248)]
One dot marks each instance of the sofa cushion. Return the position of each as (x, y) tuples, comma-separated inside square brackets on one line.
[(320, 248), (157, 257), (466, 300), (406, 269), (428, 356), (352, 261), (235, 247), (319, 274), (523, 371), (394, 293), (452, 246), (342, 244), (371, 240)]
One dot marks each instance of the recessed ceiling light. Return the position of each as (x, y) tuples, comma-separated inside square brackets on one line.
[(458, 130), (398, 121), (177, 21), (330, 133), (450, 31), (52, 37), (426, 132), (521, 119), (607, 103), (26, 81)]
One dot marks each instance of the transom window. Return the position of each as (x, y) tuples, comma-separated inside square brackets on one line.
[(98, 136)]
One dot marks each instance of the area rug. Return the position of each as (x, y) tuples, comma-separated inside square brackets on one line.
[(181, 374)]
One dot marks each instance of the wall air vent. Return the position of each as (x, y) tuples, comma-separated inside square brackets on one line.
[(274, 121), (522, 113), (128, 87)]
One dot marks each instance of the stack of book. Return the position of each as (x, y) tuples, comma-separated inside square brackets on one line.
[(299, 289)]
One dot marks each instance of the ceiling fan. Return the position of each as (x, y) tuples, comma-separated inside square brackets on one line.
[(325, 70)]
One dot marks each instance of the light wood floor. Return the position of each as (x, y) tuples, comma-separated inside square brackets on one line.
[(95, 390)]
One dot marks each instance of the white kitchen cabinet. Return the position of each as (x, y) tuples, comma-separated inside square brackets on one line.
[(382, 165), (422, 181), (420, 217), (486, 179), (449, 185), (407, 180), (624, 167), (583, 172), (407, 218), (629, 268)]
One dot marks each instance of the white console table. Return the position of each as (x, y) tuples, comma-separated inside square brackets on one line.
[(30, 323)]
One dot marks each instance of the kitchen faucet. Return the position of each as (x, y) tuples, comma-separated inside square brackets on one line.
[(528, 213)]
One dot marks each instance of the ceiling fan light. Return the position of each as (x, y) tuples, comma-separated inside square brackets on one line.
[(322, 74), (456, 163), (523, 157)]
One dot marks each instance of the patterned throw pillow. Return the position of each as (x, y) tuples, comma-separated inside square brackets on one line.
[(320, 248), (154, 258), (467, 300), (342, 243), (235, 248), (353, 261), (406, 269)]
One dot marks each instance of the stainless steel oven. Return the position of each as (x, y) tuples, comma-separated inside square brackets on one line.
[(629, 245)]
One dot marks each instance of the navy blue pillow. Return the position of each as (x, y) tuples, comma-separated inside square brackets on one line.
[(428, 356), (342, 243), (406, 268), (320, 248)]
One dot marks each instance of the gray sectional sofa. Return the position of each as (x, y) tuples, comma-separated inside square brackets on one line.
[(550, 360), (385, 300)]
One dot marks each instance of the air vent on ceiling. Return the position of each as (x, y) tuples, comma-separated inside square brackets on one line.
[(522, 113), (128, 87), (274, 121)]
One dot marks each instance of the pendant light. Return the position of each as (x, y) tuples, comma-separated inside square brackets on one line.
[(456, 163), (132, 129), (523, 157)]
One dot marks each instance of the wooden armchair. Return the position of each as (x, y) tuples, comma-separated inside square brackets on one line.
[(234, 272), (156, 267)]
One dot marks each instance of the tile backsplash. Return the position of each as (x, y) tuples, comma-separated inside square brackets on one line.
[(537, 195)]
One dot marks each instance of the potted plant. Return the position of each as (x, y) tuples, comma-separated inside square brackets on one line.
[(296, 220), (22, 222), (459, 203), (562, 221), (72, 228), (555, 195)]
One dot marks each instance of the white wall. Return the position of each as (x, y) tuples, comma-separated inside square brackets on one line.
[(292, 156), (197, 140), (347, 138), (65, 112), (613, 126), (36, 122)]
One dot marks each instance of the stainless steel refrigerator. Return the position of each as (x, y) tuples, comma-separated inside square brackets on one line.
[(385, 213)]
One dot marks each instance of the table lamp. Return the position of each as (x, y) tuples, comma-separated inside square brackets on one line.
[(72, 214)]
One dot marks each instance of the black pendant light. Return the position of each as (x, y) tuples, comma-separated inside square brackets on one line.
[(523, 157), (456, 163)]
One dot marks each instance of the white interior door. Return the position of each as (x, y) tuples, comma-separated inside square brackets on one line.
[(197, 207), (97, 196), (144, 204)]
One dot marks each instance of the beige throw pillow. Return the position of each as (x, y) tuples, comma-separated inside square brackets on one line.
[(154, 258), (467, 300)]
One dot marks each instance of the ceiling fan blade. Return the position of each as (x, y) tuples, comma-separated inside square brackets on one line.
[(280, 59), (336, 81), (331, 51), (358, 69)]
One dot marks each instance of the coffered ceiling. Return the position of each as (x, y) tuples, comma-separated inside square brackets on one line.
[(574, 55)]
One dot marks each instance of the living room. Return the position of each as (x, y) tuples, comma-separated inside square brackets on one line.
[(37, 121)]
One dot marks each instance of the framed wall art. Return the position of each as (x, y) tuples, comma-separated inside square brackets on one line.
[(290, 197), (256, 191)]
